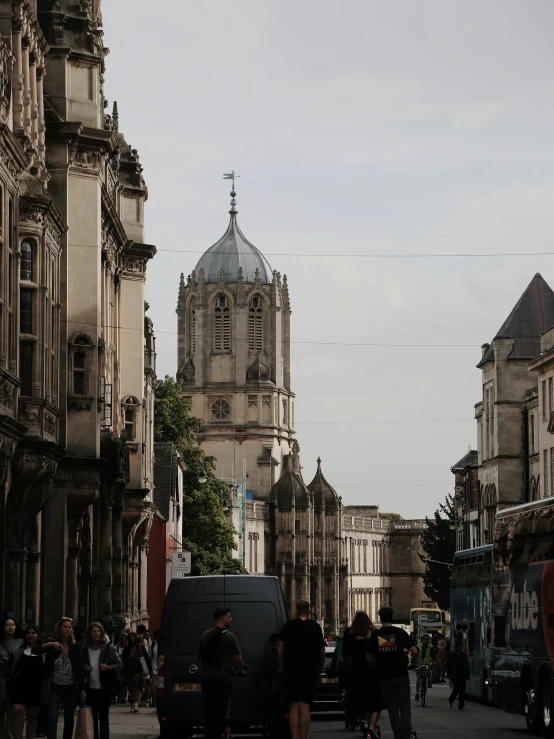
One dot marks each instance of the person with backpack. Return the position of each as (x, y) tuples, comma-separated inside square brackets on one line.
[(218, 650), (457, 670), (102, 668)]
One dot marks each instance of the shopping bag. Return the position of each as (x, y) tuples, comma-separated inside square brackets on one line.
[(85, 729), (144, 665)]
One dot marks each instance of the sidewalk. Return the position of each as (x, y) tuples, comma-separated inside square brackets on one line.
[(124, 724)]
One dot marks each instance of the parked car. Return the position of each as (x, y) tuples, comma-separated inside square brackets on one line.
[(328, 695), (258, 609)]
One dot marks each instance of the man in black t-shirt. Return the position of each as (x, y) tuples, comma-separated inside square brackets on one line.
[(302, 656), (388, 646)]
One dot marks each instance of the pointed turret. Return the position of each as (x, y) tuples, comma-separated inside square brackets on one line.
[(532, 315), (324, 494), (289, 489)]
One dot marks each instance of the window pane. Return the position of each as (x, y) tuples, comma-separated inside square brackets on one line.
[(26, 312), (26, 367), (26, 265), (79, 360), (79, 382)]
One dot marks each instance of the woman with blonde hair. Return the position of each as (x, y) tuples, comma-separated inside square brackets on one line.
[(102, 668), (67, 680), (364, 689)]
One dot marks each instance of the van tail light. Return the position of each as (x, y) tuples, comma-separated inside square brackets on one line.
[(161, 676)]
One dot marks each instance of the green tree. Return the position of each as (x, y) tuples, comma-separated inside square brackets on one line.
[(207, 533), (438, 541)]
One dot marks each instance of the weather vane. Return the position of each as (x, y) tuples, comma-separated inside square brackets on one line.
[(232, 176)]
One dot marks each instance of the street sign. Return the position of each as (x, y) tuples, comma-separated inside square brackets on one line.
[(180, 564)]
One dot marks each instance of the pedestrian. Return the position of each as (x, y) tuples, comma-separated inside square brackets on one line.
[(457, 670), (302, 657), (122, 643), (10, 640), (42, 720), (441, 653), (136, 668), (271, 689), (24, 684), (365, 689), (388, 646), (67, 679), (154, 659), (218, 650), (99, 658)]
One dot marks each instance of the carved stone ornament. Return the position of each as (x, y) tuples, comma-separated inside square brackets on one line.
[(266, 400), (31, 215), (252, 401), (6, 394), (91, 160), (136, 266), (9, 162), (28, 414), (78, 405), (49, 424), (6, 63)]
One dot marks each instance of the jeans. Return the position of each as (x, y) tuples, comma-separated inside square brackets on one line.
[(396, 693), (99, 701), (69, 694), (216, 695), (459, 690)]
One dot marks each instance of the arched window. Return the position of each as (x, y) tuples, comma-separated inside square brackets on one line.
[(79, 373), (255, 324), (222, 324), (26, 264), (80, 358), (130, 410)]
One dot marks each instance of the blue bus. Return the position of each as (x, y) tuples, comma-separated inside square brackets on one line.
[(523, 613), (470, 614)]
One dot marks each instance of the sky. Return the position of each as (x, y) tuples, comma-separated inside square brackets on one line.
[(358, 128)]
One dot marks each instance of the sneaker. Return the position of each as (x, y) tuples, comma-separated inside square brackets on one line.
[(462, 708), (416, 697)]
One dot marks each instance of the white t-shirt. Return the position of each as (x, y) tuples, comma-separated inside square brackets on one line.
[(94, 674)]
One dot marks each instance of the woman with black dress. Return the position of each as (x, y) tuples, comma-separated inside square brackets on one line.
[(10, 641), (24, 684), (364, 689)]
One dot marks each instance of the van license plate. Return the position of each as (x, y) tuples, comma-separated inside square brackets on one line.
[(326, 680), (186, 687)]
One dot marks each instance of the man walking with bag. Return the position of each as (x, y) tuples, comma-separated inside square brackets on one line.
[(218, 649)]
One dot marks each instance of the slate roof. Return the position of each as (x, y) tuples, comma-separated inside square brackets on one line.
[(322, 490), (289, 486), (532, 315), (233, 250), (470, 460)]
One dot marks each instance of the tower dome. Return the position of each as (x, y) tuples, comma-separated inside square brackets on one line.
[(322, 491), (232, 252)]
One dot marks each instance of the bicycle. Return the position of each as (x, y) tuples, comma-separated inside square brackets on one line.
[(424, 675)]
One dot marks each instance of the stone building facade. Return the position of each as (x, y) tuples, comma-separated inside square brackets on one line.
[(515, 433), (77, 355), (233, 316)]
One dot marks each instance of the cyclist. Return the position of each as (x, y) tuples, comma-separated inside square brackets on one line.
[(425, 659)]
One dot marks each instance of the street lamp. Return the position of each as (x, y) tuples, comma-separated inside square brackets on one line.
[(202, 477)]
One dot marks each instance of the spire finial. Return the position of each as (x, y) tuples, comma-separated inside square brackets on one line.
[(232, 176)]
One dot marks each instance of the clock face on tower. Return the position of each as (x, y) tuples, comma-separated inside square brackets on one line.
[(221, 410)]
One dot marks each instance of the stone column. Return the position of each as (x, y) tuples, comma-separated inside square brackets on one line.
[(72, 570), (117, 563), (41, 125), (26, 89), (17, 78), (34, 102), (106, 552)]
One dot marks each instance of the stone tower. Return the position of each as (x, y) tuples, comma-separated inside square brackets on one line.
[(234, 358)]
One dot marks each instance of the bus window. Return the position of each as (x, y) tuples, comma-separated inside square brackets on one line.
[(500, 631)]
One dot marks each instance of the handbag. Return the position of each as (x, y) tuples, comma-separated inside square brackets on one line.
[(85, 728), (111, 682)]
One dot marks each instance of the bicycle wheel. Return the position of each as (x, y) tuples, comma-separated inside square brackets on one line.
[(423, 694)]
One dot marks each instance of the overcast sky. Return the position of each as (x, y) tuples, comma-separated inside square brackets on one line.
[(358, 127)]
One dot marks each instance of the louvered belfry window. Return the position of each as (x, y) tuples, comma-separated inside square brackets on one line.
[(255, 324), (193, 326), (222, 324)]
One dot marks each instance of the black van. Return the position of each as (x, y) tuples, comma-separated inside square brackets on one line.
[(258, 610)]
